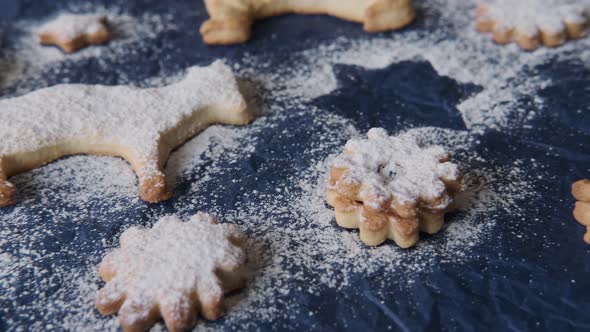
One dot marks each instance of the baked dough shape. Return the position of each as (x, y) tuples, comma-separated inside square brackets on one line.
[(172, 271), (581, 192), (72, 32), (231, 20), (532, 23), (141, 125), (392, 188)]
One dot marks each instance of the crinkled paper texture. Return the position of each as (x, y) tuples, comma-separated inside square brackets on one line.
[(540, 283)]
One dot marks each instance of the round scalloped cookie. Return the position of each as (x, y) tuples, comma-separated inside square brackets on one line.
[(532, 23), (391, 187), (172, 271)]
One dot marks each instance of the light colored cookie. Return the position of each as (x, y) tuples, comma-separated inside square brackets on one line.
[(172, 271), (72, 32), (141, 125), (532, 23), (581, 192), (392, 188), (231, 20)]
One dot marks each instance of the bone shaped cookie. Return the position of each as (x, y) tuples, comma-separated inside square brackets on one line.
[(141, 125), (392, 188), (231, 20), (532, 23), (72, 32), (172, 271), (581, 192)]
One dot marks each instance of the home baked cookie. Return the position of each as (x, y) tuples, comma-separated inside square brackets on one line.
[(172, 271), (231, 20), (581, 192), (141, 125), (72, 32), (532, 23), (392, 187)]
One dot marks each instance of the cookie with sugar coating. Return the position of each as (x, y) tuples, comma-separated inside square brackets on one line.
[(532, 23), (231, 20), (392, 188), (71, 32), (141, 125), (172, 271), (581, 192)]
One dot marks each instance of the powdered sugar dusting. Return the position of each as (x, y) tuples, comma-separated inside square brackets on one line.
[(451, 45), (275, 249), (398, 167), (332, 257), (74, 209), (72, 26)]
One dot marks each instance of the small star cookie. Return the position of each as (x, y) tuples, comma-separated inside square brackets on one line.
[(141, 125), (172, 271), (533, 22), (72, 32), (231, 20), (581, 192), (392, 188)]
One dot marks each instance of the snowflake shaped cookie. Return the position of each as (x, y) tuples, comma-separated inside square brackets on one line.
[(392, 188), (581, 192), (72, 32), (231, 20), (172, 271), (141, 125), (533, 22)]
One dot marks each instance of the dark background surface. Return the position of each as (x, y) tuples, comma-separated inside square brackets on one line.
[(524, 284)]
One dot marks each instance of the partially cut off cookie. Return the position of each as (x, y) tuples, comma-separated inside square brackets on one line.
[(71, 32), (581, 192), (532, 23), (231, 20), (392, 188), (141, 125), (173, 271)]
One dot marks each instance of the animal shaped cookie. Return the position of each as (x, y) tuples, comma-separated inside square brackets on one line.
[(172, 271), (532, 23), (72, 32), (231, 20), (141, 125), (392, 187), (581, 192)]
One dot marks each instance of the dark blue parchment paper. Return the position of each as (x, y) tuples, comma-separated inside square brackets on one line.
[(538, 282)]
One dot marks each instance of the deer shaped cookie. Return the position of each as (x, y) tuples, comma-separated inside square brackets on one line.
[(231, 20), (141, 125)]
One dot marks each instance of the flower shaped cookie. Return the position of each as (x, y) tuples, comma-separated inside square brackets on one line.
[(171, 271), (392, 188), (533, 22)]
